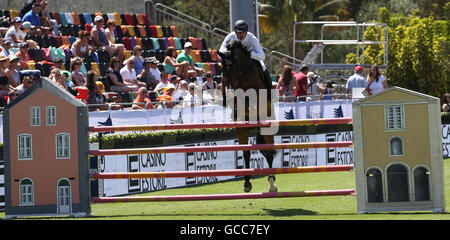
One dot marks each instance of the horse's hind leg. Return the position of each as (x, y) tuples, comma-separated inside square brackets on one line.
[(242, 134), (269, 155)]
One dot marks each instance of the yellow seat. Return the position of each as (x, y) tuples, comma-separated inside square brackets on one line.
[(159, 32), (117, 18), (131, 30)]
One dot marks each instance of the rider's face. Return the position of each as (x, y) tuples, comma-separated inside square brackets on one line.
[(241, 35)]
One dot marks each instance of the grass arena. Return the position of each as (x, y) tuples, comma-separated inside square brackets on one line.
[(312, 192)]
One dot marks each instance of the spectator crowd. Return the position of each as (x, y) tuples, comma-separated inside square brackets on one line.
[(134, 78), (145, 81), (306, 85)]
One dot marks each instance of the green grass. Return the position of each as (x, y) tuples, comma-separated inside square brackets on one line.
[(307, 208)]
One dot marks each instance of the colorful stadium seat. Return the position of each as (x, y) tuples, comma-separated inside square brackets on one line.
[(174, 31), (159, 32)]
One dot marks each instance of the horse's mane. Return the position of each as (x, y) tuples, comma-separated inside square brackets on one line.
[(234, 44)]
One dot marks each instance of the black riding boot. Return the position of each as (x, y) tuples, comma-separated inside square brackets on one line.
[(267, 79)]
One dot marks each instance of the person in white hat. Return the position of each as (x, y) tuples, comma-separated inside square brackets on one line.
[(191, 99), (14, 33), (12, 72), (186, 56), (181, 92), (6, 45), (98, 34)]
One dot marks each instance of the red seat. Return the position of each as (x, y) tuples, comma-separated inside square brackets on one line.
[(129, 19), (153, 31), (127, 43), (146, 20), (57, 17)]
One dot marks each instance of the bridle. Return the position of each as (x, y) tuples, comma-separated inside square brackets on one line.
[(229, 61)]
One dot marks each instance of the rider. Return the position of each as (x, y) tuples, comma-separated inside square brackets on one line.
[(248, 41)]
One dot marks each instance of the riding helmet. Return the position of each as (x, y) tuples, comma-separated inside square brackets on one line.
[(240, 26)]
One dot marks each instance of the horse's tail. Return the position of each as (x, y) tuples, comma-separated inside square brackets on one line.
[(260, 138)]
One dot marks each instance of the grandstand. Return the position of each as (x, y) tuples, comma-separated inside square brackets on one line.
[(155, 30), (131, 30)]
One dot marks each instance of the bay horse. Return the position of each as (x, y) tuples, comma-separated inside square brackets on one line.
[(239, 71)]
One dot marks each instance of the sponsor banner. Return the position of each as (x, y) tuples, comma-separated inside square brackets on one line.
[(215, 161), (446, 140), (164, 163)]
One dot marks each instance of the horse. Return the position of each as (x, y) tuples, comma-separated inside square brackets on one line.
[(239, 71)]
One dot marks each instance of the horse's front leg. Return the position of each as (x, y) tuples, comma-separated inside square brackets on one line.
[(247, 183), (242, 134)]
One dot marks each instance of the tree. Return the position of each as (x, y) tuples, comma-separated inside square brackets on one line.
[(418, 53)]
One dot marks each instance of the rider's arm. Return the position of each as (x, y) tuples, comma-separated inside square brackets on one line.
[(223, 47), (257, 51)]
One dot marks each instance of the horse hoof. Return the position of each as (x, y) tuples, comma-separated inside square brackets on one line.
[(247, 186), (273, 188)]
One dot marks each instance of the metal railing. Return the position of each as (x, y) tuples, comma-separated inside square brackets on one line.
[(161, 14), (359, 41)]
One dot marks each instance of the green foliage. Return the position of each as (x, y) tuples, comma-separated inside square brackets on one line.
[(383, 15), (418, 53), (155, 138)]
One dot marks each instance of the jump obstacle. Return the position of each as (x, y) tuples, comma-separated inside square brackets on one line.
[(235, 196), (241, 147), (241, 124), (234, 172)]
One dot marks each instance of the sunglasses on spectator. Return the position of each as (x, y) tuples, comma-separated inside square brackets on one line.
[(29, 81), (130, 62)]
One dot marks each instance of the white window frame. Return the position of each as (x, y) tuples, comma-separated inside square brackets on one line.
[(387, 125), (19, 155), (49, 109), (33, 116), (68, 146), (21, 193)]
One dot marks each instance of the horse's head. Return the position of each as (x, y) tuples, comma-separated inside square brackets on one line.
[(233, 61), (241, 53)]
